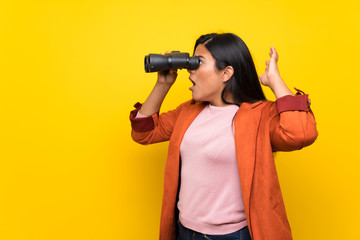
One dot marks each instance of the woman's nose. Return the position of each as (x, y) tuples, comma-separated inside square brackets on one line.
[(190, 71)]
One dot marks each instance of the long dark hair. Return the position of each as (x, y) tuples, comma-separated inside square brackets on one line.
[(229, 50)]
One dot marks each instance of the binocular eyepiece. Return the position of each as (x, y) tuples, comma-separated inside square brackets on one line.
[(173, 60)]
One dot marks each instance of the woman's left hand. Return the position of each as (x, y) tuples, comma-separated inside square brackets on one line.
[(271, 78), (271, 71)]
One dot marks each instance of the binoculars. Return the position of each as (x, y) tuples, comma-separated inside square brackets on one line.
[(173, 60)]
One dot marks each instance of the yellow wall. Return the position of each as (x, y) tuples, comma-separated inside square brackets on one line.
[(70, 72)]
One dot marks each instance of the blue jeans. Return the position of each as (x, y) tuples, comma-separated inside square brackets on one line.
[(188, 234)]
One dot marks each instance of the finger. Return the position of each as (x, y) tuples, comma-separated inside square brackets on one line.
[(165, 53), (275, 54), (273, 49)]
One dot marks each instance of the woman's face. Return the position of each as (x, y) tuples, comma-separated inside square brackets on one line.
[(207, 79)]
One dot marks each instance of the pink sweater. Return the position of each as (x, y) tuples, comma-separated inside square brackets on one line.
[(210, 199)]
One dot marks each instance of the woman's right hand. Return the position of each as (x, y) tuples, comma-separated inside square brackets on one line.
[(164, 82), (167, 77)]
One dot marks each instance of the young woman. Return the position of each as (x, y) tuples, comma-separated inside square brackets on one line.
[(220, 176)]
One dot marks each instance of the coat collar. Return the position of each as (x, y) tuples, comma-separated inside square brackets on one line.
[(245, 105)]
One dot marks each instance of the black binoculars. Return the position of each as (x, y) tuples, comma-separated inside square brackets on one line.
[(173, 60)]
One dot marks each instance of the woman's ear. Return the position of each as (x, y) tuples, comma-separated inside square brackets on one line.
[(228, 73)]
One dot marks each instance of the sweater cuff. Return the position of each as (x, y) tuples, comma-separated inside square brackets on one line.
[(142, 124), (299, 102)]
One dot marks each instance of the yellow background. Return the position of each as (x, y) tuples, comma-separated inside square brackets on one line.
[(70, 72)]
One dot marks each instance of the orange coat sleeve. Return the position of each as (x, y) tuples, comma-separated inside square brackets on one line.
[(155, 128), (293, 124)]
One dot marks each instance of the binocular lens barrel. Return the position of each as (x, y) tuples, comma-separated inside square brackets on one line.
[(173, 60)]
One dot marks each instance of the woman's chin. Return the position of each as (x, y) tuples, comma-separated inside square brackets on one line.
[(195, 97)]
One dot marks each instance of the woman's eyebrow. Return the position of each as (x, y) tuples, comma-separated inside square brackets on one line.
[(200, 56)]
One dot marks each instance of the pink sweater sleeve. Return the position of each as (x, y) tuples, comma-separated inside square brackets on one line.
[(139, 115)]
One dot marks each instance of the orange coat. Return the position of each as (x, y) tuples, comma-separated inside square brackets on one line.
[(261, 128)]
